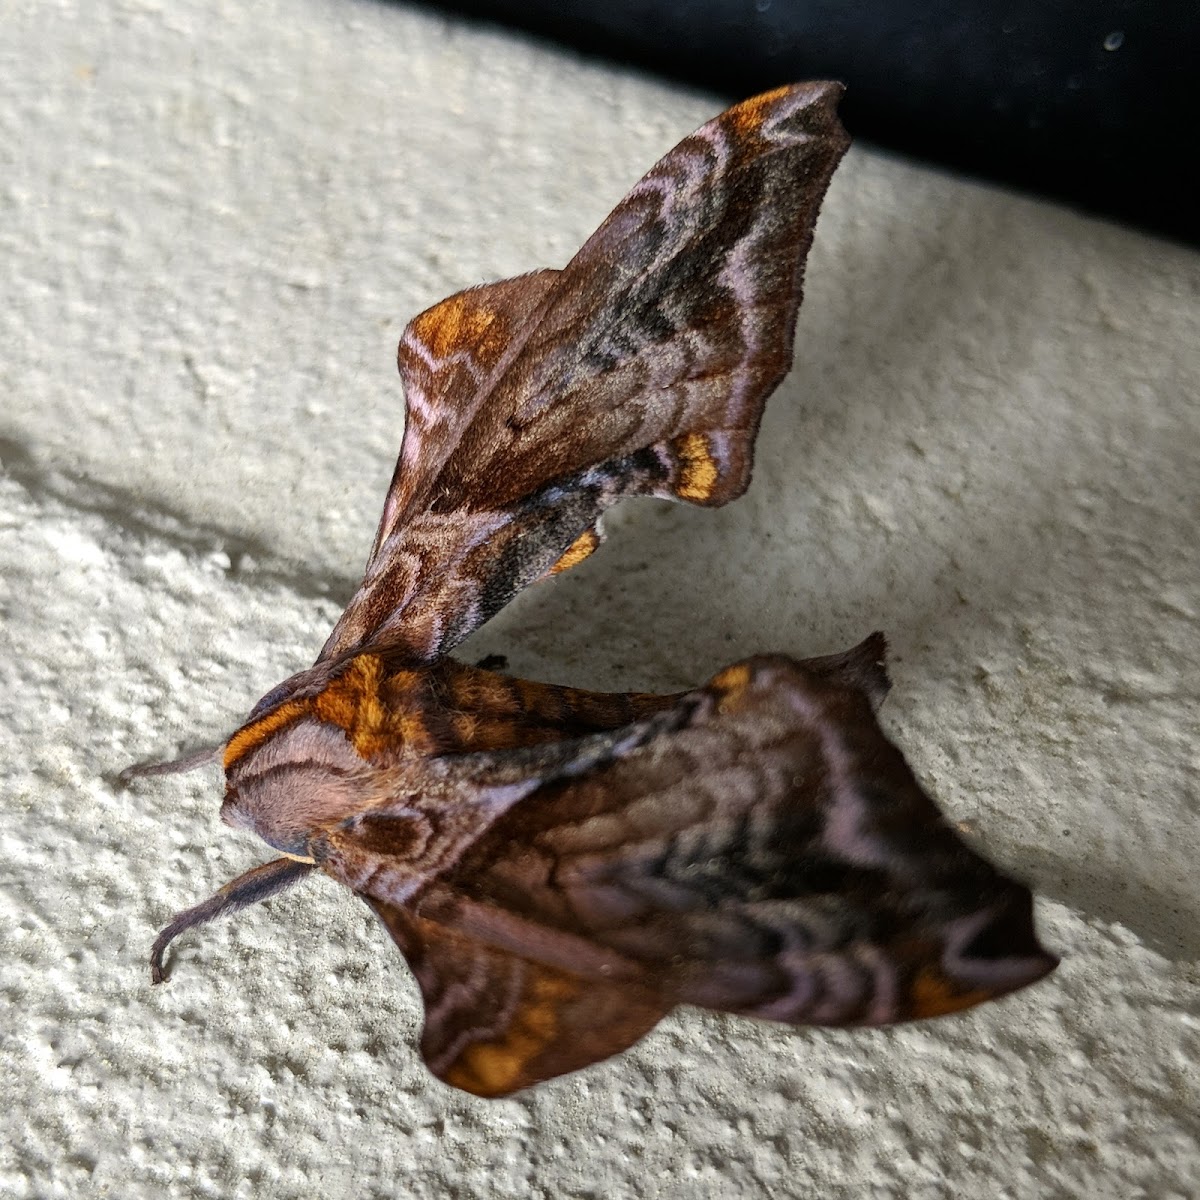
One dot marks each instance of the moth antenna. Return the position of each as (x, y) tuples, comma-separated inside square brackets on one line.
[(260, 883), (203, 757)]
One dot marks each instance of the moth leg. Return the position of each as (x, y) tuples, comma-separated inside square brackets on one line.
[(260, 883), (176, 766)]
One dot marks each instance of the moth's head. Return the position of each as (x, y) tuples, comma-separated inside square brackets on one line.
[(294, 764), (293, 778)]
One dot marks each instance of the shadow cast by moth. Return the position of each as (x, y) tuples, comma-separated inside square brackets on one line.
[(561, 868)]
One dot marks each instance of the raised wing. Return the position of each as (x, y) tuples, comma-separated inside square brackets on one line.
[(758, 848), (640, 369)]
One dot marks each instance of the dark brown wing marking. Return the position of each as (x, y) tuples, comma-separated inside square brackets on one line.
[(496, 1022), (640, 369)]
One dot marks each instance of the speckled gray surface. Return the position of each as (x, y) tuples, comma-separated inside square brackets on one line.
[(215, 220)]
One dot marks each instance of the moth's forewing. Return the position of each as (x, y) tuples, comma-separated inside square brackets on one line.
[(448, 356)]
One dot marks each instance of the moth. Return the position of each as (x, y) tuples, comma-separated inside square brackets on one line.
[(561, 868)]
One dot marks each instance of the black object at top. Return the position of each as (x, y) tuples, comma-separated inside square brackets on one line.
[(1081, 100)]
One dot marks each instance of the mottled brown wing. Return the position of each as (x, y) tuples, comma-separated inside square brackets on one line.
[(759, 848), (640, 369), (447, 358), (496, 1022)]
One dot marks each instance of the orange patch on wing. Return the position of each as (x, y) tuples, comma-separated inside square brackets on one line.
[(461, 320), (354, 702), (730, 683), (250, 737), (698, 470), (748, 116), (577, 551), (933, 995), (499, 1066)]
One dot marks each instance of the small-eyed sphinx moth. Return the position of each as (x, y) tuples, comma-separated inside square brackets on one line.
[(561, 868)]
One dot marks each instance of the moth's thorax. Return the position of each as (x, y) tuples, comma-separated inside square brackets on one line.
[(378, 711)]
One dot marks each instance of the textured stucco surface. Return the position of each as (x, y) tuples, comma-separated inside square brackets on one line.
[(214, 220)]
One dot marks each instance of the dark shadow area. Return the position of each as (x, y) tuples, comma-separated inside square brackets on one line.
[(1168, 922), (144, 519), (1088, 101)]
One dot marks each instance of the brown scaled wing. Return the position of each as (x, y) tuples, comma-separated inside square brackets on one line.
[(561, 869), (758, 848), (640, 369)]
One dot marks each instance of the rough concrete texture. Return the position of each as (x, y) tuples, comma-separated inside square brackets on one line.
[(214, 220)]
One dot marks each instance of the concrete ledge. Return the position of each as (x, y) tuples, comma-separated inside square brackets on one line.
[(216, 219)]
